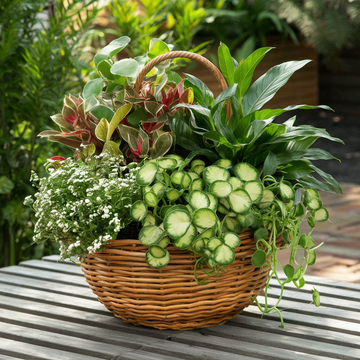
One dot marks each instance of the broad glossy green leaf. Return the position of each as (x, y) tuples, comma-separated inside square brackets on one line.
[(137, 116), (126, 67), (93, 87), (264, 88), (226, 64), (162, 145), (309, 154), (102, 111), (157, 47), (329, 179), (197, 108), (112, 49), (202, 93), (270, 164), (226, 94), (244, 72), (104, 67)]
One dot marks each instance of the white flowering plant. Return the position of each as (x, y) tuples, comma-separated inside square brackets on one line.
[(84, 204)]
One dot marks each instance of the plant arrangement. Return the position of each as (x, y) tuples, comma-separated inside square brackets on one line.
[(242, 171)]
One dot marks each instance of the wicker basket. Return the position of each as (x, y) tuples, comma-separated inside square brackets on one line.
[(170, 298)]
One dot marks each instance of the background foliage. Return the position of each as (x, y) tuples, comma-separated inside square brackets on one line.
[(38, 66), (328, 25)]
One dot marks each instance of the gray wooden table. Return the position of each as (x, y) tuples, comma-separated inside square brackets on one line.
[(47, 311)]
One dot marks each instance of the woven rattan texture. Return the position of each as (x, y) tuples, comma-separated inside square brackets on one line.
[(169, 298)]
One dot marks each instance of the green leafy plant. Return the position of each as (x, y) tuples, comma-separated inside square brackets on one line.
[(204, 209), (38, 66), (110, 110), (249, 133), (244, 25), (329, 26)]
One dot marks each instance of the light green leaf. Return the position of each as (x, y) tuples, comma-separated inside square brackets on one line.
[(112, 49), (117, 118), (93, 87), (126, 67), (102, 129)]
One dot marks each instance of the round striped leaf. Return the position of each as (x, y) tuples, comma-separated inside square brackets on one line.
[(224, 255), (157, 263), (198, 199), (167, 163), (213, 202), (146, 174), (221, 188), (149, 219), (150, 199), (213, 243), (314, 204), (158, 189), (225, 163), (204, 218), (138, 210), (233, 225), (286, 190), (185, 241), (236, 183), (177, 223), (232, 239), (164, 242), (255, 190), (321, 215), (157, 251), (150, 235), (239, 201), (246, 172), (213, 173)]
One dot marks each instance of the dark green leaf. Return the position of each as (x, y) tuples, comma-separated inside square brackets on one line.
[(258, 258), (102, 111), (137, 116)]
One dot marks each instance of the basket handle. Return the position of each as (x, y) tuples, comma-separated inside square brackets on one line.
[(187, 55)]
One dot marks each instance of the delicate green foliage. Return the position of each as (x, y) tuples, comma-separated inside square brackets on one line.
[(96, 198)]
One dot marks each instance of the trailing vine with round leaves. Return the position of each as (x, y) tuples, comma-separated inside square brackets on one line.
[(204, 209)]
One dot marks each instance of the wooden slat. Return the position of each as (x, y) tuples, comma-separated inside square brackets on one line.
[(66, 328), (40, 284), (62, 342), (254, 344), (57, 277), (29, 351), (58, 267), (183, 351), (307, 329)]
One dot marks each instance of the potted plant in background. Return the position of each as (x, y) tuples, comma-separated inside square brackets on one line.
[(209, 224)]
